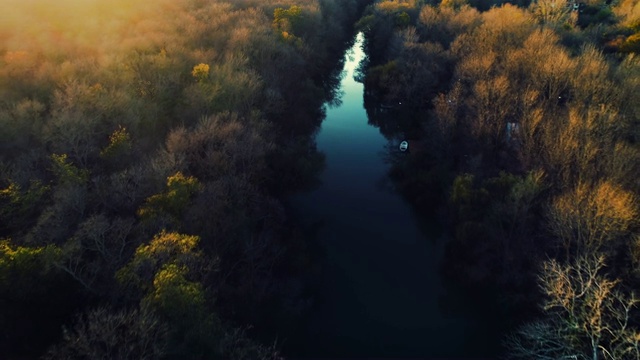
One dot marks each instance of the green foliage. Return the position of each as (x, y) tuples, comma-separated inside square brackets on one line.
[(491, 218), (34, 296), (129, 78), (21, 269), (174, 200), (526, 189), (402, 19), (287, 20), (383, 76), (164, 248), (161, 273), (67, 173), (365, 23), (10, 198), (175, 296), (501, 186), (119, 144), (604, 15), (166, 245), (462, 189), (507, 197), (17, 207), (195, 332), (469, 200)]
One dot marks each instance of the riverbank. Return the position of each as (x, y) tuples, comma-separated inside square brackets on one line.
[(378, 290)]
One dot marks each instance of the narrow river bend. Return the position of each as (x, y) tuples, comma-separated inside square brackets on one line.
[(381, 293)]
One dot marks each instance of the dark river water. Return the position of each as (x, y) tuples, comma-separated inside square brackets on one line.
[(381, 293)]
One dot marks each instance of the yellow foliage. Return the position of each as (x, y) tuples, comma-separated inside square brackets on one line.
[(23, 259), (455, 4), (200, 72), (174, 199), (628, 11), (389, 6), (119, 143), (553, 12), (175, 296), (68, 173), (9, 253), (167, 244), (165, 248), (11, 193), (178, 180)]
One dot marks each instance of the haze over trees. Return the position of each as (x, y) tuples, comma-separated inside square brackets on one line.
[(529, 116), (144, 152)]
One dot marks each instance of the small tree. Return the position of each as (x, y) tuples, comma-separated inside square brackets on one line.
[(164, 248), (174, 200), (200, 72), (119, 147), (67, 173)]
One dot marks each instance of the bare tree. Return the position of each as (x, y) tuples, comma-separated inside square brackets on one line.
[(551, 12), (587, 316), (105, 334)]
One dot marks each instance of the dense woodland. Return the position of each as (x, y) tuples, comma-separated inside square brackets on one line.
[(527, 120), (144, 160), (145, 151)]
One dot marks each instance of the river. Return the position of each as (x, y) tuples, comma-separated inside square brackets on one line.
[(380, 293)]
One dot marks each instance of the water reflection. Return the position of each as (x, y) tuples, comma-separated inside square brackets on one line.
[(379, 291)]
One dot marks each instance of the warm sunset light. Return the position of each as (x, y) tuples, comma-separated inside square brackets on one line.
[(94, 24), (274, 179)]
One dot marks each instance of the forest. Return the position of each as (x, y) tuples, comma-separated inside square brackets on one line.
[(147, 150), (144, 153), (528, 114)]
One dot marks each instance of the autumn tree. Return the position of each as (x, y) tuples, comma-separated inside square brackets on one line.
[(207, 152), (444, 23), (593, 218)]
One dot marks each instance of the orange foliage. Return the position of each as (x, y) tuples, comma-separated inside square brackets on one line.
[(591, 216)]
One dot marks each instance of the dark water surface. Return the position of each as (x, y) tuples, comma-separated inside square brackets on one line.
[(381, 293)]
